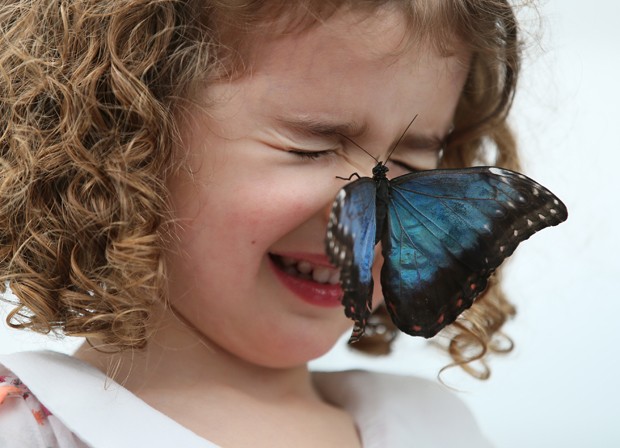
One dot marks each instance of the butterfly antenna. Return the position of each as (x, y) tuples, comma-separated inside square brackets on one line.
[(400, 138), (350, 140)]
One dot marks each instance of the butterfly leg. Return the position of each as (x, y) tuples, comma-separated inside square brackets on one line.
[(348, 178)]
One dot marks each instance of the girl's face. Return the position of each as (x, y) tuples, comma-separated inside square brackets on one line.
[(261, 162)]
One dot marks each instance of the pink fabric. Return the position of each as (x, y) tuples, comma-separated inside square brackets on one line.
[(25, 422)]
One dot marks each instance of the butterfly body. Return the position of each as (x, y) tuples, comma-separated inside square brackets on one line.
[(442, 233), (379, 176)]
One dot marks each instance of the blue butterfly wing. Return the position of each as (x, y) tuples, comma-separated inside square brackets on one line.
[(447, 232), (350, 246)]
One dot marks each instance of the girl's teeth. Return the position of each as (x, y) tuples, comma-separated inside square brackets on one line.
[(304, 267), (320, 274), (334, 278)]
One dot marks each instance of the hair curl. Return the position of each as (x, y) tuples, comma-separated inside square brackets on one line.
[(88, 95)]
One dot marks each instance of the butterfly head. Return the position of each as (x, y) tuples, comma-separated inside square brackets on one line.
[(380, 171)]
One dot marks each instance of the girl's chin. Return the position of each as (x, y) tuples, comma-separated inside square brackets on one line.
[(285, 344)]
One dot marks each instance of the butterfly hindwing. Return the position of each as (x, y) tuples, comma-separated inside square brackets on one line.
[(350, 247), (448, 231)]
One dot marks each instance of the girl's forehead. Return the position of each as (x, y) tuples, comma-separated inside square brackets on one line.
[(347, 35), (383, 32)]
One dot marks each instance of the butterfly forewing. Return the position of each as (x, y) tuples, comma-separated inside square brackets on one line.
[(448, 231), (350, 247)]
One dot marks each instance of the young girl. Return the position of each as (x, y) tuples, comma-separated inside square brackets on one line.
[(166, 174)]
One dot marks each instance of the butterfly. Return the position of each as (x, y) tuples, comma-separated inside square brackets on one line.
[(443, 233)]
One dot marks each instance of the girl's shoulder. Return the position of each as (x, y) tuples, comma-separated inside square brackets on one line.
[(399, 410), (25, 422)]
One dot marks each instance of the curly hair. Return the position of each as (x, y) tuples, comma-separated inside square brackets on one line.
[(89, 91)]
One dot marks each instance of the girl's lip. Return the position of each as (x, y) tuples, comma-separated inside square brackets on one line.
[(319, 294)]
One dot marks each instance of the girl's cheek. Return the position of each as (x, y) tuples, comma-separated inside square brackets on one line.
[(266, 216)]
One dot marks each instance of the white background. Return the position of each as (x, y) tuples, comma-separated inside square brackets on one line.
[(559, 387)]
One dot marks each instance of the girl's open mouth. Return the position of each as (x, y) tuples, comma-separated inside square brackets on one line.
[(309, 278)]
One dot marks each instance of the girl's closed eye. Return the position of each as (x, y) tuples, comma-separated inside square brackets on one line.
[(400, 168), (418, 161), (313, 155)]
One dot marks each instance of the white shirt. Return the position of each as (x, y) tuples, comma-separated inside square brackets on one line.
[(87, 409)]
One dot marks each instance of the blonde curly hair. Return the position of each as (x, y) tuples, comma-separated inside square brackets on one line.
[(89, 91)]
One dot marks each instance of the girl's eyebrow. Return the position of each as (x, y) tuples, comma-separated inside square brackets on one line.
[(322, 128)]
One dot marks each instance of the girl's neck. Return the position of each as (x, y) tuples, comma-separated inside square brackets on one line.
[(177, 355)]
